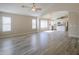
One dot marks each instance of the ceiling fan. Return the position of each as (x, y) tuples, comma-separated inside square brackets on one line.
[(33, 8)]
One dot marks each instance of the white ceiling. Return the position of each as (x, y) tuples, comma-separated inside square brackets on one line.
[(56, 15), (47, 8), (17, 8)]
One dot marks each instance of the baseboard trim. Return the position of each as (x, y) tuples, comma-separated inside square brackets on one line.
[(74, 36), (15, 35)]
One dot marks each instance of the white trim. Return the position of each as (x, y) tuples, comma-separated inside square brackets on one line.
[(75, 36), (15, 35)]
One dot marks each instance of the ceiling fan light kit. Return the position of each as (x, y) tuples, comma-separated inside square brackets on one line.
[(34, 8)]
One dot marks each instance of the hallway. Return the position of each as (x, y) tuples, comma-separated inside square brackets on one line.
[(47, 43)]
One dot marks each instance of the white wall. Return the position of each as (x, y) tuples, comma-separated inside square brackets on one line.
[(73, 24), (23, 24), (20, 24)]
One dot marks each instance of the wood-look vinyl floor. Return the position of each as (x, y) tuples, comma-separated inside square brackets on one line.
[(44, 43)]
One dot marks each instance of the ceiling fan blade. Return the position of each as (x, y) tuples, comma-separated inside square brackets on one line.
[(24, 6), (38, 8)]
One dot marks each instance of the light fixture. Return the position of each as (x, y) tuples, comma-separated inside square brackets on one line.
[(33, 7)]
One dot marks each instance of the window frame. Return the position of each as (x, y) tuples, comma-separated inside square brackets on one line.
[(46, 26), (6, 24), (34, 25)]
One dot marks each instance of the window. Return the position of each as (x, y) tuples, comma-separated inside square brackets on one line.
[(44, 24), (33, 23), (6, 24)]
